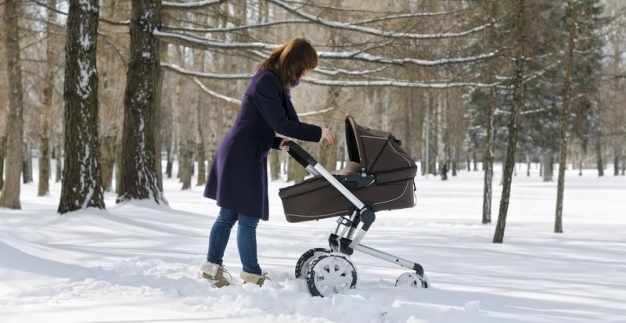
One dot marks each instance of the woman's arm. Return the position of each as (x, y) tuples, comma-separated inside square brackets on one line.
[(266, 96)]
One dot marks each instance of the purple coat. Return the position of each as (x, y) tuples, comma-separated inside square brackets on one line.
[(238, 177)]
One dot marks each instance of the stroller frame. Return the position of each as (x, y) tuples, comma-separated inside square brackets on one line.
[(348, 235)]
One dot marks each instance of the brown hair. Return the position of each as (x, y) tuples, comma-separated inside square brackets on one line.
[(290, 60)]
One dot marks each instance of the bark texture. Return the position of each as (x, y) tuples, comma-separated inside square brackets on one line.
[(513, 122), (139, 179), (569, 65), (48, 91), (82, 182), (10, 197)]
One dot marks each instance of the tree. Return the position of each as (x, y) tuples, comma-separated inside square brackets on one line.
[(139, 178), (48, 92), (488, 158), (519, 34), (569, 65), (82, 182), (10, 197)]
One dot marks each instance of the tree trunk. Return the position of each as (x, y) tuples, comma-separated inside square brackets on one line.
[(430, 136), (513, 123), (59, 163), (201, 161), (48, 91), (107, 160), (10, 197), (454, 166), (44, 158), (118, 165), (600, 162), (408, 128), (488, 160), (580, 168), (27, 164), (547, 163), (82, 180), (200, 154), (3, 150), (212, 131), (527, 165), (109, 72), (444, 171), (185, 163), (445, 132), (616, 164), (274, 162), (170, 157), (475, 161), (139, 177), (569, 62), (327, 154)]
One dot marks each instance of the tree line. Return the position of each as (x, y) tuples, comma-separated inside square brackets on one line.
[(117, 88)]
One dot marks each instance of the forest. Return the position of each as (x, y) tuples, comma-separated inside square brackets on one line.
[(117, 91)]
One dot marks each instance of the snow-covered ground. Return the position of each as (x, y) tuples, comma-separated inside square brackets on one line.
[(139, 262)]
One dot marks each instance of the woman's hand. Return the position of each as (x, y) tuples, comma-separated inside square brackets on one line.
[(282, 146), (328, 136)]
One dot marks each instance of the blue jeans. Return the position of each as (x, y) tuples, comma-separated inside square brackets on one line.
[(246, 239)]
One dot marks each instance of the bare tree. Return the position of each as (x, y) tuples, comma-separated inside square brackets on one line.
[(200, 59), (488, 159), (82, 181), (112, 62), (48, 92), (10, 197), (139, 178), (519, 32), (569, 66)]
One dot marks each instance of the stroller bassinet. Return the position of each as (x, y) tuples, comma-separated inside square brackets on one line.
[(379, 173)]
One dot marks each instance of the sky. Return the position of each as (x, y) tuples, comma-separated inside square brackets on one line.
[(139, 262)]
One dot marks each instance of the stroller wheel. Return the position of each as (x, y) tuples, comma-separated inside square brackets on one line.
[(302, 266), (331, 274), (411, 279)]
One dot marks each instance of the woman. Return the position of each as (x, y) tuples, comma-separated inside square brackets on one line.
[(238, 176)]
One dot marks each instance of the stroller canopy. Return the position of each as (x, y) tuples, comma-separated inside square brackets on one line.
[(378, 153)]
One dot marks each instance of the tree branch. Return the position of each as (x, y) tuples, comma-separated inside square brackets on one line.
[(204, 43), (374, 31), (343, 83), (193, 5)]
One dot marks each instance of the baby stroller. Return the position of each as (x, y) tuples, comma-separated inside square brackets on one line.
[(379, 176)]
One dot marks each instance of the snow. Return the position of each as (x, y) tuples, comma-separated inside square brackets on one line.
[(139, 262)]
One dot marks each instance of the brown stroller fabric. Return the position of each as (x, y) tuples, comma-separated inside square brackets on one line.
[(371, 152)]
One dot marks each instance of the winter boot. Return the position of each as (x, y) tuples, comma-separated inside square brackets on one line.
[(215, 274), (254, 278)]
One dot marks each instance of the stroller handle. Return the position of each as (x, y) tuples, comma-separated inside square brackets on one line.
[(300, 155)]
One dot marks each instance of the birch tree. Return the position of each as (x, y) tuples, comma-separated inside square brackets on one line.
[(572, 18), (519, 34), (82, 181), (488, 157)]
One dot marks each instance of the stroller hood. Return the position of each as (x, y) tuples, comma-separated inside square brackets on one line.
[(378, 153)]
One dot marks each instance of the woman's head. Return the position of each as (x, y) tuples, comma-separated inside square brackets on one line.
[(291, 61)]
